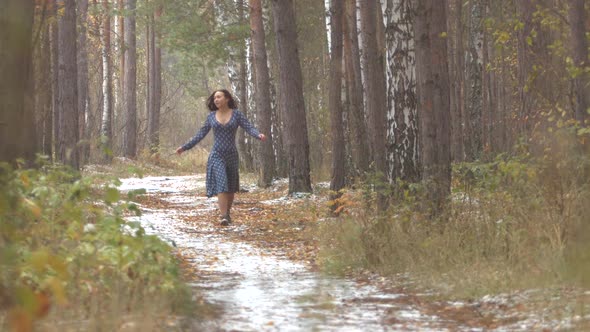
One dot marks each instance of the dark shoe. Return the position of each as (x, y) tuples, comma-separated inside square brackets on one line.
[(225, 221)]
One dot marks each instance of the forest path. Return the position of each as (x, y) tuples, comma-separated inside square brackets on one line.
[(260, 270)]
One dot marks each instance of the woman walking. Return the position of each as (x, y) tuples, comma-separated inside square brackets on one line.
[(223, 164)]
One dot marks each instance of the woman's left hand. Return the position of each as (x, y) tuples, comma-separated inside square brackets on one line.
[(262, 137)]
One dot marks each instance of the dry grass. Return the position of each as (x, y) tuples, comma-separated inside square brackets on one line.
[(515, 225)]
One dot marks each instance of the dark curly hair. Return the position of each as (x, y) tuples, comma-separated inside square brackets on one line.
[(231, 103)]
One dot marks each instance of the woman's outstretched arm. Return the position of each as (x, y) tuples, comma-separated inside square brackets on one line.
[(197, 138), (248, 127)]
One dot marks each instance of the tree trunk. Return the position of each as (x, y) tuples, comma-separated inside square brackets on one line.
[(106, 128), (83, 103), (154, 85), (149, 93), (158, 85), (375, 96), (525, 12), (577, 16), (121, 41), (354, 84), (433, 100), (68, 87), (130, 83), (473, 81), (457, 112), (243, 148), (335, 98), (291, 96), (262, 94), (16, 115), (402, 120), (54, 31), (43, 90), (487, 100)]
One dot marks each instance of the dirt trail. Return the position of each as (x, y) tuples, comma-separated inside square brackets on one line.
[(261, 270)]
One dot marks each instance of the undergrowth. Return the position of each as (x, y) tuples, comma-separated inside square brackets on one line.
[(69, 259), (520, 221)]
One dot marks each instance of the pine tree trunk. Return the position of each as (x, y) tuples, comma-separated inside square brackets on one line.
[(354, 85), (577, 16), (83, 103), (121, 41), (335, 98), (262, 94), (525, 12), (130, 83), (154, 87), (43, 86), (16, 114), (54, 31), (375, 96), (68, 87), (155, 84), (291, 96), (458, 68), (433, 100), (149, 93), (402, 120), (487, 101)]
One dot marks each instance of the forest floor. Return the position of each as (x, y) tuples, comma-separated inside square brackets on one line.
[(262, 271)]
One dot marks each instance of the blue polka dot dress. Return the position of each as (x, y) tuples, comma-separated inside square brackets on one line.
[(223, 163)]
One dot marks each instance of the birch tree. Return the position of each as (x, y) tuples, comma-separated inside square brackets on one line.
[(402, 120)]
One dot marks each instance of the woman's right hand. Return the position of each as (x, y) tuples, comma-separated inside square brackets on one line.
[(180, 150)]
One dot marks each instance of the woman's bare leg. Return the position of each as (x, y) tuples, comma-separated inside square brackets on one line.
[(230, 201), (223, 203)]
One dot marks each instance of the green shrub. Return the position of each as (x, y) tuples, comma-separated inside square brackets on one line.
[(63, 245)]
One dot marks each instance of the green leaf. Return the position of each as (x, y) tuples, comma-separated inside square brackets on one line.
[(112, 195)]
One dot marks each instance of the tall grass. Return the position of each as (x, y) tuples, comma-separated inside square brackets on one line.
[(518, 221)]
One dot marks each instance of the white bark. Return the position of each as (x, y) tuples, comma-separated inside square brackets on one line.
[(402, 123)]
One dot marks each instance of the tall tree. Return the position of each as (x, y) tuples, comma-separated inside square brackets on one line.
[(578, 21), (291, 96), (375, 93), (120, 50), (432, 76), (130, 82), (16, 118), (473, 81), (262, 93), (54, 37), (402, 120), (526, 9), (68, 87), (457, 112), (83, 103), (42, 80), (335, 97), (154, 82), (245, 155), (106, 127), (354, 89)]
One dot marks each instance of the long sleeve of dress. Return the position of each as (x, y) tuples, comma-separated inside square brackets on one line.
[(199, 136), (248, 127)]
